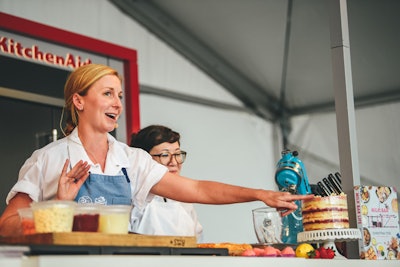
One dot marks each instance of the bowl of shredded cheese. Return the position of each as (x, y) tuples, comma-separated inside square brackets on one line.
[(53, 216)]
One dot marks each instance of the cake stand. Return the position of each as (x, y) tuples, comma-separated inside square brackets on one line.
[(329, 237)]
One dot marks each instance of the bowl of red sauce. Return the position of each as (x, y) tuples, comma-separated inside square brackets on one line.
[(86, 218)]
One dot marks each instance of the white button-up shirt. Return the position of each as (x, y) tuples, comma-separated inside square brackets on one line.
[(40, 173)]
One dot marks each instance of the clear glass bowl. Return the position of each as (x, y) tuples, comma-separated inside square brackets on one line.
[(267, 224)]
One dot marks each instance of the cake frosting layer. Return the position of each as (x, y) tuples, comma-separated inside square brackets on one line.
[(322, 213)]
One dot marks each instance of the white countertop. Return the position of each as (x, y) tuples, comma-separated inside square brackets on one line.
[(183, 261)]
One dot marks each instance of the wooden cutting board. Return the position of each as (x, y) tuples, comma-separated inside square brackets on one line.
[(100, 239)]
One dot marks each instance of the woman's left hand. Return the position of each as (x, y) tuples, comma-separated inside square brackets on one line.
[(70, 182)]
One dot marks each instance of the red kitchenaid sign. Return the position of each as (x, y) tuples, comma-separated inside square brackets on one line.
[(12, 47), (31, 41)]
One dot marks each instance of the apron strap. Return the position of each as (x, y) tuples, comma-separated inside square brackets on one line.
[(126, 175)]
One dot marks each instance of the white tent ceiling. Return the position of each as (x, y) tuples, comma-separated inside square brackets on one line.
[(275, 55)]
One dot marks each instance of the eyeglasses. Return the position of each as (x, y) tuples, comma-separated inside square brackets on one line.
[(166, 157)]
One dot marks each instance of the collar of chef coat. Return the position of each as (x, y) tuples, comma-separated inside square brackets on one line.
[(116, 156)]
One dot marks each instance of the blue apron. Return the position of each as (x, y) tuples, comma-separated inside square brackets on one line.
[(106, 189)]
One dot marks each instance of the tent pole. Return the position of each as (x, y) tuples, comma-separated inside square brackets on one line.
[(283, 116), (344, 105)]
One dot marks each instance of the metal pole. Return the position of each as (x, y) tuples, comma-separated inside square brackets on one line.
[(344, 105)]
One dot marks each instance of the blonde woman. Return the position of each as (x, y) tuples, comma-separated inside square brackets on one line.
[(90, 165)]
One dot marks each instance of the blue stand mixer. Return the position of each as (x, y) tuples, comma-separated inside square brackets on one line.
[(291, 176)]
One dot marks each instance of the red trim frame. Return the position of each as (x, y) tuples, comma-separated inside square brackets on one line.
[(66, 38)]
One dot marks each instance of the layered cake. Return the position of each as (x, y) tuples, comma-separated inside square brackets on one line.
[(320, 213)]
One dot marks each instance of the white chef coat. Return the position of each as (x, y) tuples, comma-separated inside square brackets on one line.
[(166, 217), (40, 173)]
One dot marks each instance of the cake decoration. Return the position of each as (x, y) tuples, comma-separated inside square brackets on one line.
[(330, 212)]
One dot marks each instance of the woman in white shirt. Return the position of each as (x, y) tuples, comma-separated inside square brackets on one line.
[(162, 216)]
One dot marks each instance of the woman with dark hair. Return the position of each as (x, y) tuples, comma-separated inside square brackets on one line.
[(164, 216)]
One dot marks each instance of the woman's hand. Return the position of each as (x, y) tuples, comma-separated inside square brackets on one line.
[(283, 201), (70, 182)]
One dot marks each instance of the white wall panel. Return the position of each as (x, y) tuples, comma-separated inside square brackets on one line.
[(230, 147), (378, 131)]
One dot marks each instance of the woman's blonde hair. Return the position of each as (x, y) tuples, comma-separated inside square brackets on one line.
[(80, 81)]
